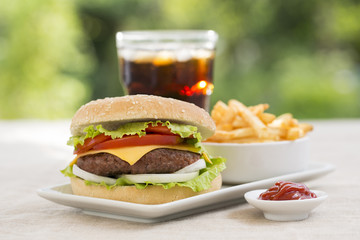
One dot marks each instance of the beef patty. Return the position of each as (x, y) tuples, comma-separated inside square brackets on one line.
[(161, 160)]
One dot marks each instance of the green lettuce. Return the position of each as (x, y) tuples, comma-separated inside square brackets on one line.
[(200, 183), (185, 131)]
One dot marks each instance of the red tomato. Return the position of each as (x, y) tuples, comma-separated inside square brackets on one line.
[(159, 129), (89, 143), (150, 139)]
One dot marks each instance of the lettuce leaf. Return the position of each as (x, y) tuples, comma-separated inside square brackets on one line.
[(200, 183), (68, 172), (185, 131)]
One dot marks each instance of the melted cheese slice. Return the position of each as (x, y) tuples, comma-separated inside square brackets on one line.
[(133, 154)]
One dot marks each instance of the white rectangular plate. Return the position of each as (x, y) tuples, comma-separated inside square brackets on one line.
[(226, 196)]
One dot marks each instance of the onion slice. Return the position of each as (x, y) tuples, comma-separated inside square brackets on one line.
[(196, 166), (161, 178), (92, 177), (183, 175)]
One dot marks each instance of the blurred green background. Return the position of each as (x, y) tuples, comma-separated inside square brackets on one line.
[(299, 56)]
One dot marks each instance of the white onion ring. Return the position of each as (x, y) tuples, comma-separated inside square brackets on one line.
[(185, 174), (92, 177), (196, 166)]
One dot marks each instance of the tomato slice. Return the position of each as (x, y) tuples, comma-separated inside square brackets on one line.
[(159, 129), (150, 139), (89, 143)]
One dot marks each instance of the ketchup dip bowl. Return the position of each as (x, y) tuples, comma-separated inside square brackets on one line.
[(286, 210), (248, 162)]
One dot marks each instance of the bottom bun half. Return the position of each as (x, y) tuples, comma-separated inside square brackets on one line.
[(149, 195)]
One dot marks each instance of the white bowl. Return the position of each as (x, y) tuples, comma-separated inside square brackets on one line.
[(247, 162), (289, 210)]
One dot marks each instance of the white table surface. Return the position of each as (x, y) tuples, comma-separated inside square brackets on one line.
[(33, 152)]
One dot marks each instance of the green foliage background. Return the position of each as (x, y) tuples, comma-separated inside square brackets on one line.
[(298, 56)]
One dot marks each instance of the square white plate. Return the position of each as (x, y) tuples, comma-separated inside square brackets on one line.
[(226, 196)]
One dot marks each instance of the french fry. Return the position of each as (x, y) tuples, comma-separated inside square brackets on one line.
[(235, 134), (267, 118), (285, 116), (281, 133), (236, 123), (306, 127), (225, 127), (260, 108), (295, 133), (259, 127), (219, 109), (248, 116), (284, 121), (239, 122), (248, 140), (221, 113)]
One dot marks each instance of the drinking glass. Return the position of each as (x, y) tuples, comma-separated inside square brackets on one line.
[(168, 63)]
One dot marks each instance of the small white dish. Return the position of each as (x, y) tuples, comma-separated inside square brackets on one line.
[(248, 162), (289, 210)]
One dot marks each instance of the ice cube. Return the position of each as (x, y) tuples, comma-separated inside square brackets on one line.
[(127, 54), (144, 56), (203, 53), (164, 58), (183, 55)]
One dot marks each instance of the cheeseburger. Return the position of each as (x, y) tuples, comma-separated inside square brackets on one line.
[(142, 149)]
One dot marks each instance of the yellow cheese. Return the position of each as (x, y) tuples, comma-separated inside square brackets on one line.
[(133, 154)]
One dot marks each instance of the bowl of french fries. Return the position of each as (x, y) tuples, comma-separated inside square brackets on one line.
[(257, 144)]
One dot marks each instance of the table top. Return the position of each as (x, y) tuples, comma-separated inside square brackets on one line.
[(33, 152)]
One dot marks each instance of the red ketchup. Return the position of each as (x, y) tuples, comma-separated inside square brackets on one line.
[(284, 190)]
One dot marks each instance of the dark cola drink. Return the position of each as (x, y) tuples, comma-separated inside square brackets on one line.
[(186, 78), (177, 64)]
